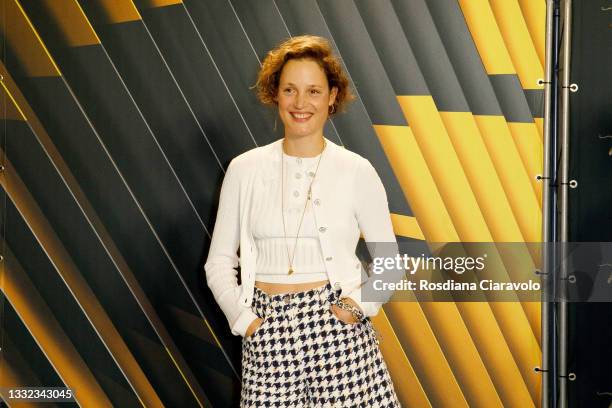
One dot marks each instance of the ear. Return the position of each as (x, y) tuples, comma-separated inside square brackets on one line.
[(332, 95)]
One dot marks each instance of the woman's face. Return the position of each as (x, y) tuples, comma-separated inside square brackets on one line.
[(304, 97)]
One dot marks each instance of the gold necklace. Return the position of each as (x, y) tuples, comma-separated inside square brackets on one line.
[(290, 258)]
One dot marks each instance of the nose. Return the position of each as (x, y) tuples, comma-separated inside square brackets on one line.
[(299, 100)]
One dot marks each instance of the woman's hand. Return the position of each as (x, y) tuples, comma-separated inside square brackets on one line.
[(253, 326), (344, 315)]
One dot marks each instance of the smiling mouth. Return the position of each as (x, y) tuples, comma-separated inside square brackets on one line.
[(300, 117)]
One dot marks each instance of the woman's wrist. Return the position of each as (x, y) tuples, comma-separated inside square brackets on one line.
[(351, 302), (350, 305)]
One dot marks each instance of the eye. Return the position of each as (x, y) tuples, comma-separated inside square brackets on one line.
[(315, 91)]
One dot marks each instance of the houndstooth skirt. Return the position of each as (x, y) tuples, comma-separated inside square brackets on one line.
[(302, 355)]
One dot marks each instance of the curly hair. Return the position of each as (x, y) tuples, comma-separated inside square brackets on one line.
[(303, 47)]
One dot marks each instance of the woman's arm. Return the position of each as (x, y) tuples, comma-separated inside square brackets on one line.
[(374, 219), (220, 267)]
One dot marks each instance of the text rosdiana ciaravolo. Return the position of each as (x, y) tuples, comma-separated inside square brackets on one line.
[(451, 285)]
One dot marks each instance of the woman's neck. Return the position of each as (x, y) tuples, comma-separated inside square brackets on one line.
[(304, 146)]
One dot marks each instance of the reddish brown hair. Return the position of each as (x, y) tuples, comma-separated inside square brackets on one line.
[(303, 47)]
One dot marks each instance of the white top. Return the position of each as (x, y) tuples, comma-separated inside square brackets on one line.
[(352, 200), (267, 227)]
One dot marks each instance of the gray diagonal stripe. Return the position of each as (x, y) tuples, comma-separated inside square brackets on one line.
[(464, 57), (366, 69), (535, 100), (392, 47), (511, 98), (429, 50)]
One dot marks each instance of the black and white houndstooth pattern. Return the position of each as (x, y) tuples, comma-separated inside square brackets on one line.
[(302, 355)]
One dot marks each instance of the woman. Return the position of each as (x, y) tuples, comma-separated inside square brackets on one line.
[(295, 209)]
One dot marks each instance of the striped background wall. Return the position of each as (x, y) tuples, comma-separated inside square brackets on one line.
[(119, 118)]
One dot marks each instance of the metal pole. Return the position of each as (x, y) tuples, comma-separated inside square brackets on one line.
[(545, 307), (563, 188), (549, 204)]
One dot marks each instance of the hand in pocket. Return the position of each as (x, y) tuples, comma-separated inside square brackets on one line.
[(344, 316), (253, 327)]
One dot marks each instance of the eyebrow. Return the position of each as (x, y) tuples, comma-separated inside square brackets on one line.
[(315, 85)]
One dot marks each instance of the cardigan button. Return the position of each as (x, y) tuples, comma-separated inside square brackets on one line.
[(329, 258), (322, 229), (317, 201), (337, 285)]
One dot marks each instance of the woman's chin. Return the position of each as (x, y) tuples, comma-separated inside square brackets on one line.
[(300, 131)]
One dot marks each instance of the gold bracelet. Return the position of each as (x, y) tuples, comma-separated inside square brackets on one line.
[(357, 314)]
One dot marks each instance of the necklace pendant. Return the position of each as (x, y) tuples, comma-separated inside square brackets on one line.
[(290, 270)]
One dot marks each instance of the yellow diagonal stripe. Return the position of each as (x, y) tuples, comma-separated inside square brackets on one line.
[(406, 226), (535, 16), (529, 145), (25, 42), (431, 137), (71, 20), (11, 110), (518, 42), (408, 386), (422, 348), (487, 37), (496, 355), (48, 333), (513, 175), (119, 11), (540, 126), (488, 190), (160, 3), (480, 171), (448, 174), (108, 243), (417, 183), (83, 294)]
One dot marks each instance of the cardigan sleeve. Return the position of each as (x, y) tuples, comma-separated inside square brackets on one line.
[(374, 219), (220, 266)]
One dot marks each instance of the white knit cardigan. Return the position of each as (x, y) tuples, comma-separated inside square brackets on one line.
[(349, 198)]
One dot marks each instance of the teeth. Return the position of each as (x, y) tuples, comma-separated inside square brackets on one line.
[(301, 115)]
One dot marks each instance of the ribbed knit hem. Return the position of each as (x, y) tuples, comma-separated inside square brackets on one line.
[(295, 277)]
